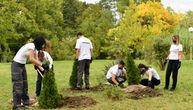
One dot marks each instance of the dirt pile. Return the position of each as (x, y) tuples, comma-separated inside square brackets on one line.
[(78, 101), (140, 91)]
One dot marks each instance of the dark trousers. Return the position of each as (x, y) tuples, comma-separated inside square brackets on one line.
[(19, 84), (39, 82), (120, 79), (172, 68), (154, 82), (83, 67), (38, 85)]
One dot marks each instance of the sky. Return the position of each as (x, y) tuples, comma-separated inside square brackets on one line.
[(176, 5)]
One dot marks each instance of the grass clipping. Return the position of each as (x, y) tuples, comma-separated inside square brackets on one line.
[(49, 97)]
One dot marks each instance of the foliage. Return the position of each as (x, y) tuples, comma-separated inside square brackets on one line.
[(49, 97), (73, 77), (114, 93), (132, 71), (161, 51)]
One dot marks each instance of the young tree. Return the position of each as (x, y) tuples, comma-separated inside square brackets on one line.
[(49, 97), (73, 77), (132, 71)]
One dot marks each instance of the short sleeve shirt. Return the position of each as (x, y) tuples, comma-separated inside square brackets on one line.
[(85, 46), (22, 54), (174, 51), (114, 70)]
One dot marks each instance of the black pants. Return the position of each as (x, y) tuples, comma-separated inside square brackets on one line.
[(20, 84), (120, 79), (39, 83), (172, 68), (83, 67), (154, 82)]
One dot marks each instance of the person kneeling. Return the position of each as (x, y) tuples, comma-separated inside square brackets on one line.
[(153, 77), (116, 75)]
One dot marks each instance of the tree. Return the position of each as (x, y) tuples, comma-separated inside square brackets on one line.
[(49, 97), (132, 71), (73, 77)]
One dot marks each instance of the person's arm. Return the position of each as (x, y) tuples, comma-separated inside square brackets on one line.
[(149, 75), (77, 53), (180, 55), (113, 79), (32, 59)]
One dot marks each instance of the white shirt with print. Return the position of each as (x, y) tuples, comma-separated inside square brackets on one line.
[(85, 46), (154, 73), (114, 70)]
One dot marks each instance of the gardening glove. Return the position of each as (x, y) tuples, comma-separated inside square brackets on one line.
[(91, 60), (46, 67), (179, 64), (149, 84), (35, 67), (165, 62)]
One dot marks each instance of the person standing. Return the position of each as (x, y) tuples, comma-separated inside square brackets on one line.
[(175, 58), (43, 57), (153, 77), (19, 74), (84, 50)]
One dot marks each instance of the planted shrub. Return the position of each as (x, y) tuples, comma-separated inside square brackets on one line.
[(73, 77), (132, 71), (49, 97)]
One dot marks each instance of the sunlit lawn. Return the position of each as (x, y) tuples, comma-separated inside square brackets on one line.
[(181, 99)]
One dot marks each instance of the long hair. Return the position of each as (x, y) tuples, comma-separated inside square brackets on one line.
[(177, 37), (143, 68)]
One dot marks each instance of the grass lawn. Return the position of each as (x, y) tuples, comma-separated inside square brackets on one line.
[(180, 99)]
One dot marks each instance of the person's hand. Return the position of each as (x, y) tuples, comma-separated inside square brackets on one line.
[(179, 64), (165, 62), (91, 60), (35, 67), (46, 67), (149, 83)]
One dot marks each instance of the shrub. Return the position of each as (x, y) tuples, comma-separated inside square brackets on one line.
[(49, 97), (132, 71), (161, 51), (73, 77)]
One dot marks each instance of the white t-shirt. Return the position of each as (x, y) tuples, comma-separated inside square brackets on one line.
[(47, 57), (114, 70), (85, 46), (154, 73), (22, 54), (174, 51)]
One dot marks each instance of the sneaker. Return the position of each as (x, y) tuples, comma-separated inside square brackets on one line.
[(172, 89), (87, 88)]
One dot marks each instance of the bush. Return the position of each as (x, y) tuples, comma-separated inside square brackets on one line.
[(49, 97), (132, 71), (73, 77), (161, 51)]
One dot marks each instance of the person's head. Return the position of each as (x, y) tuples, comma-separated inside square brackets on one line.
[(176, 39), (121, 64), (39, 42), (143, 68), (79, 34), (41, 56)]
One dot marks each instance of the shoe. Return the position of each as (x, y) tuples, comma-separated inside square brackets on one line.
[(172, 89), (87, 88), (166, 88)]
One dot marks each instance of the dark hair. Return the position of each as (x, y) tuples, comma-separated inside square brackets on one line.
[(39, 42), (79, 34), (143, 66), (122, 62)]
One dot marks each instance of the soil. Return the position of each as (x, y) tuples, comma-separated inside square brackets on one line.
[(78, 101), (140, 91)]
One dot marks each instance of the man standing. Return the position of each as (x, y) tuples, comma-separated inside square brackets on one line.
[(84, 50)]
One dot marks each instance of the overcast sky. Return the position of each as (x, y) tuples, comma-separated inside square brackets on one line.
[(176, 5)]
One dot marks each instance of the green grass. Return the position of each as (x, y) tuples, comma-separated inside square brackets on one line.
[(180, 99)]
